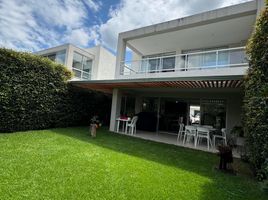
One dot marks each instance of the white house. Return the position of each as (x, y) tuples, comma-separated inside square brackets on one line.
[(95, 63), (189, 70)]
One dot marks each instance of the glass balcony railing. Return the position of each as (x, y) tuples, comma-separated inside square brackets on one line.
[(222, 58)]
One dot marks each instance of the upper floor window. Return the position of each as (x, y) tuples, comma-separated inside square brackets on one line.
[(82, 66), (164, 62), (58, 57)]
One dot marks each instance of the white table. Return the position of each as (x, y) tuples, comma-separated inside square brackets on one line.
[(124, 121)]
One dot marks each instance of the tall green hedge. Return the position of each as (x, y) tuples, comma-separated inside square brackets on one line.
[(35, 94), (256, 97)]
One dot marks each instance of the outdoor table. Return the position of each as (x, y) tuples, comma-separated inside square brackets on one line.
[(124, 121)]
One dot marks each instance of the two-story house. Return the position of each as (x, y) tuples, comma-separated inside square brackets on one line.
[(186, 70)]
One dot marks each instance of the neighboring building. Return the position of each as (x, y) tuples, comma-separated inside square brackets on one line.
[(189, 69), (95, 63)]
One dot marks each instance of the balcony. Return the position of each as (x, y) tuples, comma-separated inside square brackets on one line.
[(203, 62)]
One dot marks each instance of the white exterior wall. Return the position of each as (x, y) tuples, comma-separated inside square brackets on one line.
[(106, 68)]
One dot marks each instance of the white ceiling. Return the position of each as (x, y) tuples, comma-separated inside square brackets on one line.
[(221, 33)]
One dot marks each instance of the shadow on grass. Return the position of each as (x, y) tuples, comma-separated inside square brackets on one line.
[(221, 185)]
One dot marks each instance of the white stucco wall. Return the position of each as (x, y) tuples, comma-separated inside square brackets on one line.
[(104, 66)]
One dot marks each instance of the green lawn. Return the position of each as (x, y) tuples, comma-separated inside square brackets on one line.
[(68, 164)]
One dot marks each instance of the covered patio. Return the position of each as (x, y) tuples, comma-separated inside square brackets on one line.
[(161, 105)]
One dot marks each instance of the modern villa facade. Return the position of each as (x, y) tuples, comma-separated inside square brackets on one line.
[(95, 63), (187, 70)]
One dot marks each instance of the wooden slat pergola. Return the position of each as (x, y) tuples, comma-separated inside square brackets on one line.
[(107, 86)]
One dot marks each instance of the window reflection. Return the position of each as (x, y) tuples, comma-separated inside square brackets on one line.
[(213, 113), (82, 66), (58, 57)]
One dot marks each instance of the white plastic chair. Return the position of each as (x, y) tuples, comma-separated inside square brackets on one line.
[(132, 125), (190, 132), (222, 137), (181, 132), (203, 133)]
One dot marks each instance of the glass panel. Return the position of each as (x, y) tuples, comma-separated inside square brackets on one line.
[(209, 59), (127, 106), (144, 65), (60, 57), (238, 57), (82, 63), (77, 73), (148, 115), (87, 65), (223, 58), (51, 56), (194, 114), (77, 61), (154, 65), (169, 63), (172, 112), (85, 75), (213, 113), (194, 61)]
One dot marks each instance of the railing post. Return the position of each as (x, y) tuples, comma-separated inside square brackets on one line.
[(186, 62), (217, 58)]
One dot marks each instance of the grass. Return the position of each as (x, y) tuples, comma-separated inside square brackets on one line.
[(68, 164)]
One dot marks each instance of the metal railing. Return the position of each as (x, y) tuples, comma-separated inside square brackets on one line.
[(80, 74), (214, 59)]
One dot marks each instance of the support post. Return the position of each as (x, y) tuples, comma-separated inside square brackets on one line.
[(116, 107)]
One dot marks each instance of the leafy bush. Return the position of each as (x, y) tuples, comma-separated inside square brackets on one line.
[(256, 96), (35, 94)]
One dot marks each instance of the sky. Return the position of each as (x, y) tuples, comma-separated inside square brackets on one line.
[(32, 25)]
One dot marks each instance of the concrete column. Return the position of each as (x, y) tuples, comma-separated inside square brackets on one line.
[(116, 106), (69, 57), (121, 51)]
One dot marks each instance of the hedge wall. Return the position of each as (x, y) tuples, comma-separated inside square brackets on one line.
[(34, 94), (256, 97)]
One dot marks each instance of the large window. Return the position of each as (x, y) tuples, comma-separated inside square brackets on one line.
[(164, 62), (58, 57), (213, 113), (82, 66)]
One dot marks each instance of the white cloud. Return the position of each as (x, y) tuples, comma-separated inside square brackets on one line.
[(34, 24), (82, 36), (138, 13)]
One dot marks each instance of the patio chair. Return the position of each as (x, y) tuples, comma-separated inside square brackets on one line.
[(181, 132), (222, 137), (190, 132), (203, 133), (132, 125)]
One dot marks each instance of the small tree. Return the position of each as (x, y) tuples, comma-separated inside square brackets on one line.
[(256, 96)]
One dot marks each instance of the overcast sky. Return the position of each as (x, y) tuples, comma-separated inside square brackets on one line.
[(32, 25)]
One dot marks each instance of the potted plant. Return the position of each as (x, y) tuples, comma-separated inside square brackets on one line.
[(226, 157), (94, 124)]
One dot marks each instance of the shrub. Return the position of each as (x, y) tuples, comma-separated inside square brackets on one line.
[(256, 96), (35, 94)]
